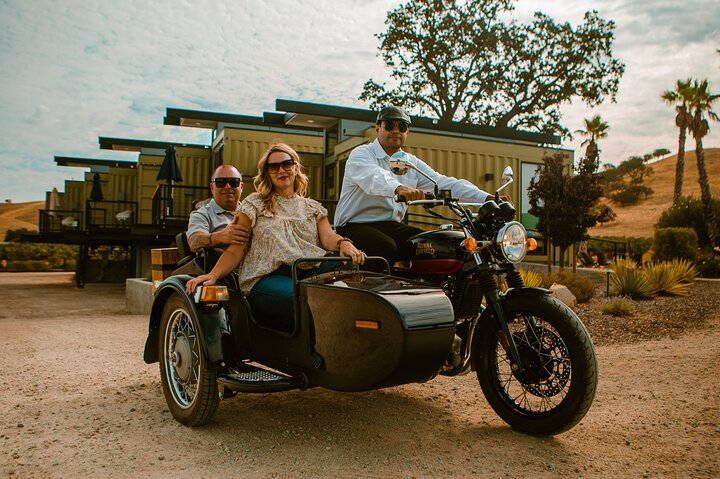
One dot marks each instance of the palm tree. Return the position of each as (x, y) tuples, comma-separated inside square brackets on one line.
[(679, 98), (595, 129), (700, 101)]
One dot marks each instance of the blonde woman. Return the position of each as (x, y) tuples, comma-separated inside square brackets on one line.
[(285, 226)]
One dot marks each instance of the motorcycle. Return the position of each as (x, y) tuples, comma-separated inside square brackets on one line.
[(356, 330)]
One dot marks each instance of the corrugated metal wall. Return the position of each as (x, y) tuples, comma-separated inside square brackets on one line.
[(73, 196), (243, 148), (148, 167), (122, 185), (195, 165)]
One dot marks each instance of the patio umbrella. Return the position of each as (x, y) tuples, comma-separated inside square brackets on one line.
[(53, 202), (169, 169), (96, 193)]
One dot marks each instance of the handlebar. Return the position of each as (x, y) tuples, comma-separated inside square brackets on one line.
[(402, 199)]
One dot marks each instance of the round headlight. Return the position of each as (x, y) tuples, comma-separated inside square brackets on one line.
[(512, 241)]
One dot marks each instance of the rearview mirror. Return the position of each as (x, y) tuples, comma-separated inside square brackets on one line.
[(399, 167), (507, 175)]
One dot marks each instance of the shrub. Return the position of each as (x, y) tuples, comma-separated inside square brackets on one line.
[(581, 287), (636, 247), (689, 214), (628, 280), (707, 265), (670, 278), (671, 243), (531, 278), (618, 307), (29, 265)]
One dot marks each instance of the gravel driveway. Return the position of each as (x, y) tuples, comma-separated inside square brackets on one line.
[(77, 401)]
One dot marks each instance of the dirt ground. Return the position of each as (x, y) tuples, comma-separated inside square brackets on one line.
[(77, 401)]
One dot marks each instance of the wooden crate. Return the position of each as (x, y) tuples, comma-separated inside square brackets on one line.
[(163, 261)]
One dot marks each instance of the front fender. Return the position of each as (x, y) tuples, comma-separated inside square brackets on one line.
[(212, 321), (527, 292)]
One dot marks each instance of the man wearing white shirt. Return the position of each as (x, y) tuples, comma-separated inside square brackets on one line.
[(367, 212)]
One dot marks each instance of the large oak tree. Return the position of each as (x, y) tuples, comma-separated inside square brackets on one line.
[(461, 60)]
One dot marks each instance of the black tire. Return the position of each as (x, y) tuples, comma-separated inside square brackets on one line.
[(558, 384), (189, 383)]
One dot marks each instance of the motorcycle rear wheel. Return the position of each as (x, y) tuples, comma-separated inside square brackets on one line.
[(189, 383), (557, 386)]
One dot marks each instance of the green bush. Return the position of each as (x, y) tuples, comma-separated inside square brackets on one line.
[(58, 256), (671, 243), (670, 278), (29, 265), (581, 287), (689, 214), (636, 247), (618, 307), (706, 264), (628, 280)]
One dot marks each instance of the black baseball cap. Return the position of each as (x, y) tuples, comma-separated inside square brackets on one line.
[(393, 113)]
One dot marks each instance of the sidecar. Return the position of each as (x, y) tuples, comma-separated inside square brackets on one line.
[(352, 331)]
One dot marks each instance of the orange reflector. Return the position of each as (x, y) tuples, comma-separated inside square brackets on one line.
[(532, 244), (469, 244), (367, 324), (214, 294)]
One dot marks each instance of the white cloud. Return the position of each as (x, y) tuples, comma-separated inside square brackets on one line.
[(72, 71)]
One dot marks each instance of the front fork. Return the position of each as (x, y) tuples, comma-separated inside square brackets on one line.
[(489, 288)]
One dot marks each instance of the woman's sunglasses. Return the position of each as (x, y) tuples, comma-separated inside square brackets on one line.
[(221, 182), (287, 165), (401, 125)]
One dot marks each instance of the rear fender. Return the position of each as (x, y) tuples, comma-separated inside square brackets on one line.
[(212, 321)]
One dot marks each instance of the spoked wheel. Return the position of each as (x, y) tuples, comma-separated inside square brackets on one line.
[(557, 385), (189, 383)]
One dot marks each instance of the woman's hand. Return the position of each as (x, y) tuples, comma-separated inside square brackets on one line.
[(349, 250), (204, 279)]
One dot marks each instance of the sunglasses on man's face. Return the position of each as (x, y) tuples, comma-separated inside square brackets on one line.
[(221, 182), (400, 125), (287, 165)]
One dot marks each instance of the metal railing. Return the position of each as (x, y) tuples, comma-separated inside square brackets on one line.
[(173, 203), (58, 221), (110, 214)]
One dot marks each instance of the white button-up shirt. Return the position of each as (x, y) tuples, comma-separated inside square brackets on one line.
[(369, 186)]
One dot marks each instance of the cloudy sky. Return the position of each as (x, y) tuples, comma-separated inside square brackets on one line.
[(71, 71)]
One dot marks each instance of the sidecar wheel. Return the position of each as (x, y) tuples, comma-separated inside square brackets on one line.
[(557, 386), (189, 383)]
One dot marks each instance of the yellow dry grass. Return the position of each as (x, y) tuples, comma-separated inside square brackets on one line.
[(14, 216), (638, 220)]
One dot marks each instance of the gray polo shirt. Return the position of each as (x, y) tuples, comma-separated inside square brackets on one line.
[(209, 219)]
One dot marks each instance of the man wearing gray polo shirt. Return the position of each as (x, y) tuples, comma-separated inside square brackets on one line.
[(366, 211), (213, 225)]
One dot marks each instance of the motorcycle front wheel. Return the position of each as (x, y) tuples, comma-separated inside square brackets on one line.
[(557, 385), (188, 382)]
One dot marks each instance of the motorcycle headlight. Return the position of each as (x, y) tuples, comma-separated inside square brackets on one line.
[(512, 241)]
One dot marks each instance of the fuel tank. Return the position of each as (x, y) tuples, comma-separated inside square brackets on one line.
[(434, 252)]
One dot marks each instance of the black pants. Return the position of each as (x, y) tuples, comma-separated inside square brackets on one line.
[(382, 238)]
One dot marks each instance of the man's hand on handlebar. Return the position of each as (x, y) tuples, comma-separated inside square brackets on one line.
[(409, 194)]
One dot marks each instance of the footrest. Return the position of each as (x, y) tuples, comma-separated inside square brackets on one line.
[(257, 380)]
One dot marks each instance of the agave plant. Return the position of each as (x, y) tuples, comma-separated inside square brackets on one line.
[(628, 280), (670, 278)]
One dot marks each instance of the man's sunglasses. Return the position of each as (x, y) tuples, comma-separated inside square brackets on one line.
[(221, 182), (401, 125), (287, 165)]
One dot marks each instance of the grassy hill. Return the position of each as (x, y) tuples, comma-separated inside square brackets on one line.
[(638, 220), (14, 216)]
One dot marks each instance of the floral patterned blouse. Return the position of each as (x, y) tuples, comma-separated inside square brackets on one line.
[(281, 238)]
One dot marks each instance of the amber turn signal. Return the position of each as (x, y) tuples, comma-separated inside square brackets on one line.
[(367, 324), (214, 294), (469, 244), (532, 244)]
